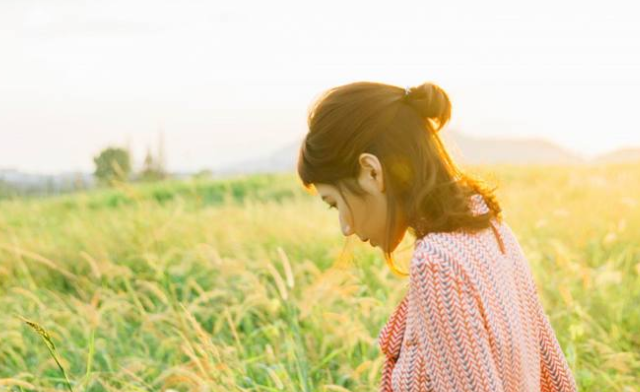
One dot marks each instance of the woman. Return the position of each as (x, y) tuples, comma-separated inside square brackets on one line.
[(471, 319)]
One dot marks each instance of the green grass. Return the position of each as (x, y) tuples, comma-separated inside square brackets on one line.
[(239, 285)]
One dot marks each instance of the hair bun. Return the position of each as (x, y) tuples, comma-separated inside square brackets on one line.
[(431, 102)]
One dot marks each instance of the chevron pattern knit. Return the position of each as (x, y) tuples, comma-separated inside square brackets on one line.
[(471, 319)]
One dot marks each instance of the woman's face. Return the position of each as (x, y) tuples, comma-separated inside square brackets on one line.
[(366, 216)]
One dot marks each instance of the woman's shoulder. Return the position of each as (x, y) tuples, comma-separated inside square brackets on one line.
[(436, 253), (436, 241), (461, 253)]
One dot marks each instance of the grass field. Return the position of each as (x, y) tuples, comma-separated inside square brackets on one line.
[(246, 284)]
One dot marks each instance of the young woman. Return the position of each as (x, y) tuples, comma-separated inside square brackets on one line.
[(471, 319)]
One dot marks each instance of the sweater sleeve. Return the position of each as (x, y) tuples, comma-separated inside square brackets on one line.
[(449, 348), (555, 373)]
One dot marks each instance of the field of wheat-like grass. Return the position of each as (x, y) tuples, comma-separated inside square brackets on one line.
[(247, 284)]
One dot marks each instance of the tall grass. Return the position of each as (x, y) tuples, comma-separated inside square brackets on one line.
[(243, 285)]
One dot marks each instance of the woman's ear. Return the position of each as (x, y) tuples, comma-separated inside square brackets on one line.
[(377, 176), (371, 175)]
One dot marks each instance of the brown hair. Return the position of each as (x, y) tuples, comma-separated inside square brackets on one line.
[(401, 129)]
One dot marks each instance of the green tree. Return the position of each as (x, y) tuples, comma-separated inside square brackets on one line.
[(112, 164)]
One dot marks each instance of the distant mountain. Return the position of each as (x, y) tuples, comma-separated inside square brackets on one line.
[(620, 155), (33, 183), (463, 148), (284, 159), (475, 150)]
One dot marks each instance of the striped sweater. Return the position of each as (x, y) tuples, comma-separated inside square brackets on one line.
[(471, 319)]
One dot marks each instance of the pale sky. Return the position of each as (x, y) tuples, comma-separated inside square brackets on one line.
[(232, 80)]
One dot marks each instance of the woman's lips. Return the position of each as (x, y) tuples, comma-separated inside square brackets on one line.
[(371, 242)]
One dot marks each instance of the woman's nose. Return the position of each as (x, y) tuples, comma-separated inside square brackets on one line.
[(346, 230)]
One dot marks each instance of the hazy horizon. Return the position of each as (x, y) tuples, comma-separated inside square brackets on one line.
[(227, 82)]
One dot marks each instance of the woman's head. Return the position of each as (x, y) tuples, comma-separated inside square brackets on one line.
[(364, 213), (373, 151)]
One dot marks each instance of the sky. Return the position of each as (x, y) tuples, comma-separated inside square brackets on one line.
[(228, 81)]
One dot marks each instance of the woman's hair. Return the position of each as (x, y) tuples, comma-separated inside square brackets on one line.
[(400, 127)]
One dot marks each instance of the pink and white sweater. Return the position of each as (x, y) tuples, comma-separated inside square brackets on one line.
[(471, 319)]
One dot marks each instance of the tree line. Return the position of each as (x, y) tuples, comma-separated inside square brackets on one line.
[(113, 164)]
